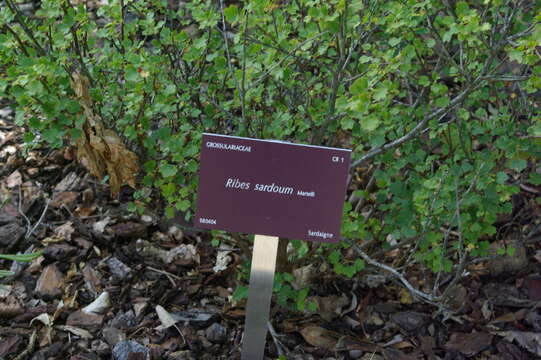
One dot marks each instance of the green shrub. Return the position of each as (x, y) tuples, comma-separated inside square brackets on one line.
[(438, 100)]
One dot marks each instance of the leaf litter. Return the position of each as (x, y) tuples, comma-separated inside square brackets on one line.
[(111, 283)]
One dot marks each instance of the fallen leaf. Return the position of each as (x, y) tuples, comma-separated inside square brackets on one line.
[(44, 318), (303, 276), (395, 354), (320, 337), (469, 344), (222, 260), (65, 198), (165, 318), (99, 305), (99, 226), (65, 231), (530, 341), (15, 179), (405, 297), (75, 331), (331, 340), (537, 256), (510, 317), (9, 345), (183, 255), (329, 307)]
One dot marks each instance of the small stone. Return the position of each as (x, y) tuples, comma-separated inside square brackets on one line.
[(10, 235), (216, 333), (356, 354), (113, 335), (50, 283), (147, 219), (86, 321), (5, 112), (118, 269), (124, 320), (125, 350)]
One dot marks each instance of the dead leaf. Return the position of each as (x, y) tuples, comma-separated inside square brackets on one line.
[(329, 307), (183, 255), (530, 341), (469, 344), (510, 317), (165, 318), (331, 340), (320, 337), (99, 226), (405, 297), (395, 354), (15, 179), (100, 149), (65, 198), (65, 231), (303, 276), (44, 318), (68, 183), (10, 307), (222, 260), (9, 345), (82, 333), (537, 256), (99, 305)]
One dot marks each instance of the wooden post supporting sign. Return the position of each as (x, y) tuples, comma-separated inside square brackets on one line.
[(274, 189)]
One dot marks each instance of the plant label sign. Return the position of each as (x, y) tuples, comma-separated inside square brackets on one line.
[(271, 188)]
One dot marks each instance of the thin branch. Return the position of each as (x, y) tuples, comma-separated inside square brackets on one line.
[(428, 298), (289, 54), (13, 7), (440, 113)]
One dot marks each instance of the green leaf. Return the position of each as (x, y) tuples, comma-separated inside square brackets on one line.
[(168, 170), (241, 292), (183, 205), (22, 257), (231, 13), (347, 123), (359, 86), (511, 251), (5, 273), (501, 177), (518, 164), (370, 123), (442, 101)]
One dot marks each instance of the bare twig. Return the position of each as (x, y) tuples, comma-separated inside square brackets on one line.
[(282, 350), (28, 234), (30, 348), (279, 63), (428, 298)]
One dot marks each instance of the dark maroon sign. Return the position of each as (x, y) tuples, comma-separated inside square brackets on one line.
[(271, 188)]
